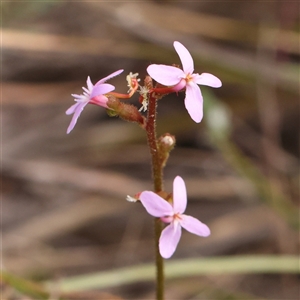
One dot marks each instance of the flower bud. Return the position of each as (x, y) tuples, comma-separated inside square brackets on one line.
[(165, 144)]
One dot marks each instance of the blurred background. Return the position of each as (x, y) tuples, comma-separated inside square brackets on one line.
[(64, 212)]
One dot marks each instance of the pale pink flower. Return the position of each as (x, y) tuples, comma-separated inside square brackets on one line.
[(180, 79), (173, 214), (93, 94)]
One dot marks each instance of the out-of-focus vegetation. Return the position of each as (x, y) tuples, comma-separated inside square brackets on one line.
[(66, 224)]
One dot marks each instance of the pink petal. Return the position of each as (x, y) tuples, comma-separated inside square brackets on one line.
[(109, 76), (76, 96), (155, 205), (208, 79), (185, 57), (71, 109), (193, 225), (166, 75), (169, 239), (89, 83), (101, 89), (194, 101), (79, 108), (179, 195)]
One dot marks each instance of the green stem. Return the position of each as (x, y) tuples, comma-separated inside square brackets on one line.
[(157, 173), (25, 287)]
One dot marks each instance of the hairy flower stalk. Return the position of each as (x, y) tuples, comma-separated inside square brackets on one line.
[(157, 174)]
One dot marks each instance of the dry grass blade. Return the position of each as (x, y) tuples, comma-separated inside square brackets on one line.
[(106, 182), (66, 219), (143, 25)]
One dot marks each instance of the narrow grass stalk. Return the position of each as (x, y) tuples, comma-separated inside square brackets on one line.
[(217, 266)]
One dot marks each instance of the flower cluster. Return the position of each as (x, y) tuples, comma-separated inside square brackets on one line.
[(173, 77), (172, 214), (169, 79)]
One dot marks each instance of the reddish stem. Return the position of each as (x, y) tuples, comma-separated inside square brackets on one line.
[(157, 173)]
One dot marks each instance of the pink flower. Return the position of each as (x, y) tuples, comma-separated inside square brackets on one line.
[(93, 94), (172, 76), (173, 214)]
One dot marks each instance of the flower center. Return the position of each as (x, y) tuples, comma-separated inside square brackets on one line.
[(168, 219), (189, 77), (177, 217)]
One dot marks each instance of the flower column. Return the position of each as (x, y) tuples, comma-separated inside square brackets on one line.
[(158, 203)]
